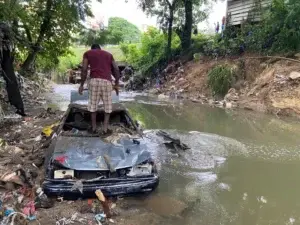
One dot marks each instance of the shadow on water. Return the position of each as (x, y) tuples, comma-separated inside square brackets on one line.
[(242, 167)]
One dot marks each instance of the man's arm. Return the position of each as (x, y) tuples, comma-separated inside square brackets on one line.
[(115, 72), (84, 71)]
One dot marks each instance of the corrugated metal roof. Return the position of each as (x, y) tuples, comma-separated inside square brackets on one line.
[(242, 9)]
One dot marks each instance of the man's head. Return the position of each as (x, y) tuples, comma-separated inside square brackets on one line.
[(95, 46)]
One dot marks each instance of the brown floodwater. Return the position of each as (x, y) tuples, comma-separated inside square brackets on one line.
[(242, 168)]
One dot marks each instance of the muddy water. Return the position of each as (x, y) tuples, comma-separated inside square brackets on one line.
[(242, 168)]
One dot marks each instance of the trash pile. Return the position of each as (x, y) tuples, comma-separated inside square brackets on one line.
[(21, 171), (21, 196), (31, 95)]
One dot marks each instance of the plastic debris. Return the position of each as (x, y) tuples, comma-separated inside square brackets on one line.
[(104, 203), (78, 186), (2, 142), (100, 217), (13, 177), (29, 210), (100, 195), (48, 130), (74, 131), (42, 201), (8, 211)]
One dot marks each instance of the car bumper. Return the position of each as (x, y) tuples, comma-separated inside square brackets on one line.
[(109, 187)]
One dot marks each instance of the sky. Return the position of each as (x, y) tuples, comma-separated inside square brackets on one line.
[(131, 12)]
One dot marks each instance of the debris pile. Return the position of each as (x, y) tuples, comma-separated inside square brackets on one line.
[(31, 94), (171, 142)]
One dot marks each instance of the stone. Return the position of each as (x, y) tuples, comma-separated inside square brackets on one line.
[(162, 96), (294, 75), (231, 96), (297, 55)]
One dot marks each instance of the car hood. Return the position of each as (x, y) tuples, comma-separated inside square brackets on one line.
[(86, 153)]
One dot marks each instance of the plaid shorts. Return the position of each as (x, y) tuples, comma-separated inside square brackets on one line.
[(100, 89)]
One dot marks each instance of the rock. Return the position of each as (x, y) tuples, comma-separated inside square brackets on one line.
[(231, 96), (297, 55), (294, 75), (153, 91), (228, 105), (162, 96)]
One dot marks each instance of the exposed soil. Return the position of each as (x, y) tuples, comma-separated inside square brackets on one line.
[(262, 84)]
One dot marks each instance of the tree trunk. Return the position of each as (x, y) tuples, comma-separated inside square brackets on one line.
[(12, 87), (29, 60), (187, 30), (45, 26), (170, 29)]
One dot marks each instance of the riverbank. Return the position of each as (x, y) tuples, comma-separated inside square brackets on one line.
[(267, 85)]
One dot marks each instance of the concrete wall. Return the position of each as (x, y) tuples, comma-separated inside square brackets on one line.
[(242, 9)]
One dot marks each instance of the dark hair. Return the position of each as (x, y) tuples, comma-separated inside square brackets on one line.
[(95, 46)]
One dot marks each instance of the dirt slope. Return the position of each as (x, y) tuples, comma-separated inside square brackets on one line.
[(265, 85)]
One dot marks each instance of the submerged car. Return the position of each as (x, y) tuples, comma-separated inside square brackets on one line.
[(79, 163)]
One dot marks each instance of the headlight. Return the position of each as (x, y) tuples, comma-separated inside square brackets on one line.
[(63, 174), (140, 170)]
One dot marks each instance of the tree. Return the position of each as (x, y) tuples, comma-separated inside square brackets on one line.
[(179, 15), (118, 31), (7, 69), (184, 28), (44, 27), (164, 10)]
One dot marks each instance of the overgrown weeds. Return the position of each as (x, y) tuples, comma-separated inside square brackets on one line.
[(220, 79)]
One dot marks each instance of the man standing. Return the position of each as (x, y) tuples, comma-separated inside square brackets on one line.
[(102, 66)]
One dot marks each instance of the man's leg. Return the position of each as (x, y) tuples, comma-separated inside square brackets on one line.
[(106, 122), (94, 98), (94, 121), (107, 102)]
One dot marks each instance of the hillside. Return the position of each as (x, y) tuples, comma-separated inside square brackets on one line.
[(262, 84)]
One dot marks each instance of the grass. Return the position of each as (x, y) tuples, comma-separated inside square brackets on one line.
[(75, 57)]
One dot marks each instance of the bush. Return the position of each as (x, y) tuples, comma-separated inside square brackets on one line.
[(220, 79), (150, 53)]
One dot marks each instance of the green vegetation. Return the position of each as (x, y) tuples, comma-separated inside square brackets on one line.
[(150, 53), (118, 30), (277, 33), (220, 79), (43, 29), (74, 57), (179, 16)]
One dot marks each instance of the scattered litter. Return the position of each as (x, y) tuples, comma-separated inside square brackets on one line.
[(20, 199), (100, 218), (111, 221), (18, 177), (104, 203), (29, 210), (2, 142), (38, 138), (78, 185), (74, 131), (48, 130), (42, 201), (8, 211)]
